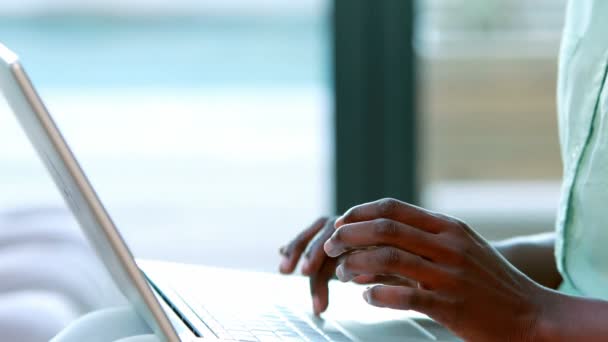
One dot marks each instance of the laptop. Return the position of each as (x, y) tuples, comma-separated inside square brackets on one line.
[(195, 303)]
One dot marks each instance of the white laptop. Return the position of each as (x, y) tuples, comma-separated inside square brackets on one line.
[(191, 303)]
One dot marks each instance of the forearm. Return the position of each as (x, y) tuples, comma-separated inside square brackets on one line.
[(570, 318), (534, 256)]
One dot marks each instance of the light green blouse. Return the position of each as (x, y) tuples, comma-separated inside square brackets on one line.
[(582, 222)]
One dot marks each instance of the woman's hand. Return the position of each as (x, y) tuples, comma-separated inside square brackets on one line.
[(463, 282), (317, 265)]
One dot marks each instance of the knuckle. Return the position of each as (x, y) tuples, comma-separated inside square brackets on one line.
[(349, 215), (456, 252), (319, 240), (298, 245), (387, 207), (301, 238), (389, 256), (454, 280), (464, 251), (308, 253), (320, 222), (386, 228), (327, 233), (423, 301), (446, 224), (315, 252), (455, 224), (291, 247), (460, 223), (416, 262), (338, 235), (458, 255), (329, 224), (347, 263), (411, 299)]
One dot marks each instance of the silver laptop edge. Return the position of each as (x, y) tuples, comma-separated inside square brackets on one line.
[(79, 194)]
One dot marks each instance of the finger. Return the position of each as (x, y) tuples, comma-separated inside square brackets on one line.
[(315, 254), (368, 279), (319, 288), (293, 251), (383, 232), (389, 261), (395, 210), (404, 298)]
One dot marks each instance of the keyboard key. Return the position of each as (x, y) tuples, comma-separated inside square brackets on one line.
[(259, 324)]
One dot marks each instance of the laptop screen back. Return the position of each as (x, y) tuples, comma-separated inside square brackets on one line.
[(78, 193)]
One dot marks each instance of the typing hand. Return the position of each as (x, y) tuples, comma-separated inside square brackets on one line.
[(316, 264), (464, 283), (319, 267)]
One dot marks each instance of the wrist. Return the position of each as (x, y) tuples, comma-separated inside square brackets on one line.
[(547, 323)]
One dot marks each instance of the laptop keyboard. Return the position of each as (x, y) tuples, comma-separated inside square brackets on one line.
[(255, 324), (276, 324)]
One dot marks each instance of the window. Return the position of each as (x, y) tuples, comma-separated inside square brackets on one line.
[(491, 153), (203, 125), (209, 123)]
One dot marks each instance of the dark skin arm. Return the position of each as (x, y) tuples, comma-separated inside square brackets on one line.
[(534, 256), (463, 281)]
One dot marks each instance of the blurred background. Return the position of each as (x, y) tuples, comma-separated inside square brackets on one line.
[(216, 130)]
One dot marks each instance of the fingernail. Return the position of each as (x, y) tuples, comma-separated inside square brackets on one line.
[(316, 305), (327, 247), (366, 294), (340, 272), (339, 222)]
